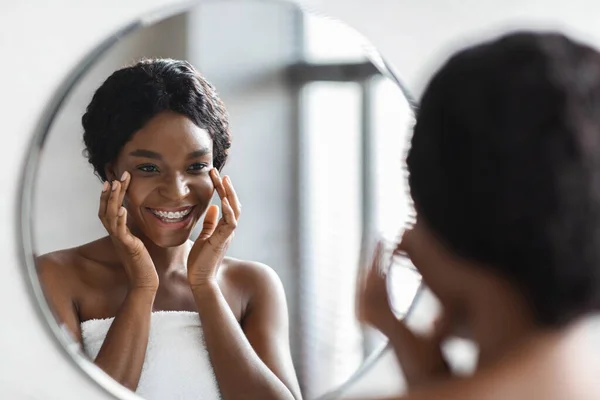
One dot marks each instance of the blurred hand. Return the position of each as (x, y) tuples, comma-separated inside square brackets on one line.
[(420, 356), (373, 305)]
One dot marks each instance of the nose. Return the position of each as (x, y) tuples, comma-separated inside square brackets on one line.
[(174, 188)]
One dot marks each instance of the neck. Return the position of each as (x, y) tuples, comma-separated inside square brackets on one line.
[(501, 320), (166, 259)]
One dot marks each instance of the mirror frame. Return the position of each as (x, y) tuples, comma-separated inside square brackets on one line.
[(26, 193)]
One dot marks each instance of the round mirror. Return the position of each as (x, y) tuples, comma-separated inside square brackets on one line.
[(310, 127)]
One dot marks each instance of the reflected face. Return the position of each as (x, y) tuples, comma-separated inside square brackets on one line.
[(169, 160)]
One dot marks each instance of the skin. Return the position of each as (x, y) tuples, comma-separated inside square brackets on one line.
[(515, 353), (145, 265)]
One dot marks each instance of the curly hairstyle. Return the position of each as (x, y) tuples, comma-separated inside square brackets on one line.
[(132, 96), (504, 166)]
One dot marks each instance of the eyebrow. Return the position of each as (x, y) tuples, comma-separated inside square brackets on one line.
[(145, 154), (199, 153), (152, 154)]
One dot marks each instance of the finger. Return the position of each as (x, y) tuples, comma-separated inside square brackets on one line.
[(121, 231), (125, 180), (378, 265), (360, 303), (210, 222), (216, 178), (369, 276), (113, 206), (225, 227), (103, 201), (365, 274), (232, 197), (376, 284), (228, 213), (220, 240)]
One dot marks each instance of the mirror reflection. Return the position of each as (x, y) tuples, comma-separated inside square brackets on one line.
[(154, 269)]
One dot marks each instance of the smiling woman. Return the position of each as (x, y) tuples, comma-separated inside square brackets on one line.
[(156, 133)]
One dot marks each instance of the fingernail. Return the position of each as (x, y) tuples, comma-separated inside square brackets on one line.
[(121, 211), (114, 185), (105, 186), (124, 176)]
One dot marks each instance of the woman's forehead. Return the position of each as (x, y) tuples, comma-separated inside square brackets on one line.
[(170, 130)]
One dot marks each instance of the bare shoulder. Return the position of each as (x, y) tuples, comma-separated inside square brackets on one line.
[(250, 275), (70, 267), (58, 277), (251, 282), (58, 267), (258, 292), (561, 360)]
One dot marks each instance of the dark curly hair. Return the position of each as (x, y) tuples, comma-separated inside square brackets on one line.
[(132, 96), (504, 166)]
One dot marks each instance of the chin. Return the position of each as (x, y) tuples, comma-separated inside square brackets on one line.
[(173, 239), (167, 236)]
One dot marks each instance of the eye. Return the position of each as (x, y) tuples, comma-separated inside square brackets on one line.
[(149, 168), (197, 167)]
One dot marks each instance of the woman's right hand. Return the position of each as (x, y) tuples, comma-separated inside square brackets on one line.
[(420, 355), (373, 304), (135, 257)]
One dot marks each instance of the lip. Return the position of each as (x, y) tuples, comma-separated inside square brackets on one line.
[(171, 225), (171, 209)]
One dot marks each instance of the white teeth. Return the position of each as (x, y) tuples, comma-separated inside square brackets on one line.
[(171, 216)]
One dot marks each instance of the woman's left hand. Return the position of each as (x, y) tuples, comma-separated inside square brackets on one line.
[(212, 243)]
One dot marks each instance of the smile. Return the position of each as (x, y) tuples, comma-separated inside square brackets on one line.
[(172, 216)]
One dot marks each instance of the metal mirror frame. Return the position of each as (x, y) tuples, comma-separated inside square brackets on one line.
[(25, 195)]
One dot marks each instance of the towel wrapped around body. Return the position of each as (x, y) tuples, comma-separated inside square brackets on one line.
[(177, 365)]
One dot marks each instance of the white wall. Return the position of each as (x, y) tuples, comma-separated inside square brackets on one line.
[(417, 35), (42, 40)]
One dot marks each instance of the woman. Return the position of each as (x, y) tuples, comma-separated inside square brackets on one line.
[(504, 171), (157, 135)]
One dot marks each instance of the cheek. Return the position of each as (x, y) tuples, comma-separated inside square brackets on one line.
[(439, 278), (450, 285), (203, 188), (137, 193), (434, 281)]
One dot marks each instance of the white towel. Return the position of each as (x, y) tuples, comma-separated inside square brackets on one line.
[(177, 366)]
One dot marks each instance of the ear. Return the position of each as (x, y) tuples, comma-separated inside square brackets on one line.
[(109, 172)]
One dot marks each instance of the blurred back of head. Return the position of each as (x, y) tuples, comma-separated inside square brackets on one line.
[(505, 166)]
